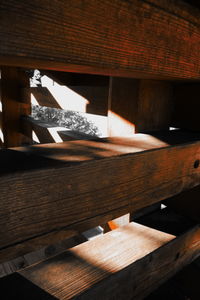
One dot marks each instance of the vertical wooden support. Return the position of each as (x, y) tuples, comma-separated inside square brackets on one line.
[(122, 117), (137, 106), (14, 106), (123, 102), (154, 105)]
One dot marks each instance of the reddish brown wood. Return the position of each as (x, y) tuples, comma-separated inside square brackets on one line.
[(123, 106), (14, 106), (79, 36), (113, 265), (122, 117), (154, 105), (82, 180)]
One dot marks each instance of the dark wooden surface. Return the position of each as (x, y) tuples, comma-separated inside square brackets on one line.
[(154, 105), (187, 203), (14, 106), (186, 106), (108, 256), (112, 266), (53, 186), (182, 286), (133, 38)]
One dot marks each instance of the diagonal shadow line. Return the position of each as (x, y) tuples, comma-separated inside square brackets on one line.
[(44, 97)]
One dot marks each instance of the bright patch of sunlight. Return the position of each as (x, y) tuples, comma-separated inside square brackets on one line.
[(119, 126), (66, 97), (0, 106), (53, 132), (33, 100), (1, 136), (34, 137), (100, 121)]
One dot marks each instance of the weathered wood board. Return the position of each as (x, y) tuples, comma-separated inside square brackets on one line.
[(122, 38), (58, 186), (112, 266)]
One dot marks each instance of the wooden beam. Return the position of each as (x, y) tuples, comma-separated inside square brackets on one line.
[(57, 185), (123, 106), (114, 263), (14, 106), (163, 44), (33, 257), (36, 243), (122, 117)]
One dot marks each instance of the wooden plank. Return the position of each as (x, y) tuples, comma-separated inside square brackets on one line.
[(57, 185), (30, 245), (112, 266), (122, 116), (23, 261), (186, 106), (123, 106), (163, 44), (13, 105)]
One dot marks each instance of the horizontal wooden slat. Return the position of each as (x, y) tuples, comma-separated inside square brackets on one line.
[(20, 249), (139, 39), (112, 266), (53, 186)]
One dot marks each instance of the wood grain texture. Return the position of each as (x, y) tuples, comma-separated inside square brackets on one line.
[(123, 106), (14, 106), (134, 38), (112, 266), (154, 105), (51, 248), (53, 186), (44, 240), (122, 118)]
